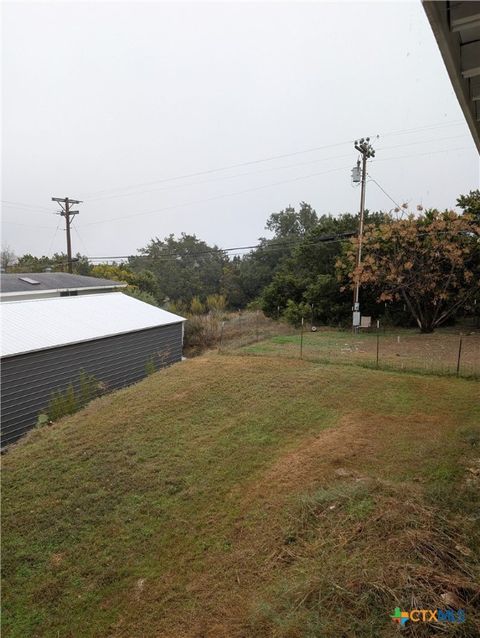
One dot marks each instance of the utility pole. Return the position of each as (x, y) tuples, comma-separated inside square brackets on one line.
[(65, 203), (364, 147)]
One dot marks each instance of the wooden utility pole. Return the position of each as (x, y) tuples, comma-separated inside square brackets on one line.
[(65, 203), (366, 150)]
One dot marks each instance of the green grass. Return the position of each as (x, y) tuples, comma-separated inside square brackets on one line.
[(243, 496), (399, 349)]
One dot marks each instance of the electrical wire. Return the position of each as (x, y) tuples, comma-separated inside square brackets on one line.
[(222, 178), (258, 161), (384, 191), (443, 150), (219, 169), (53, 238), (439, 139), (7, 221), (282, 244), (27, 206), (72, 225), (216, 197), (268, 170)]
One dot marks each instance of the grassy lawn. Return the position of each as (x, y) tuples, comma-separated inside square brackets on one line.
[(398, 349), (238, 497)]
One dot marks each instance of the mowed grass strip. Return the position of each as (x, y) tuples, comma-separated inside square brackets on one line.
[(400, 349), (244, 496)]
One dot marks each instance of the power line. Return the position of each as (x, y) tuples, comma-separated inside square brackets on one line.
[(282, 244), (7, 221), (210, 199), (438, 139), (79, 236), (250, 190), (221, 168), (443, 150), (53, 238), (424, 128), (383, 191), (222, 178), (26, 206), (135, 193), (95, 194)]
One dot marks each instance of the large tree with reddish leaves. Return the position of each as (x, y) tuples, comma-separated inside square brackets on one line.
[(430, 262)]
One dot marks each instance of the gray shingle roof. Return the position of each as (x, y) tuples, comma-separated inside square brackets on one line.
[(13, 282)]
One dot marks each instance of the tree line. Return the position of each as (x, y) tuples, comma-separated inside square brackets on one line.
[(418, 269)]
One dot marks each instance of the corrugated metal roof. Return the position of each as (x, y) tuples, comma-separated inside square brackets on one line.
[(15, 282), (38, 324)]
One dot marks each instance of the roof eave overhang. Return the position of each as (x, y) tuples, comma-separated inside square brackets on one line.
[(34, 293), (450, 49)]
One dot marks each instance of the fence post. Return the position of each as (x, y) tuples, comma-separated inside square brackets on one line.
[(378, 340), (459, 355), (221, 337), (256, 324), (301, 341)]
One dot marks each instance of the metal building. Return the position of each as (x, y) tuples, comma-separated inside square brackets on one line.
[(47, 342), (16, 286)]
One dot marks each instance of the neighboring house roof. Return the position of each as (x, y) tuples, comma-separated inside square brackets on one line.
[(456, 26), (12, 283), (39, 324)]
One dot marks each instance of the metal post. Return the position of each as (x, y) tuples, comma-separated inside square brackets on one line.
[(221, 337), (378, 344), (256, 324), (459, 355), (301, 341)]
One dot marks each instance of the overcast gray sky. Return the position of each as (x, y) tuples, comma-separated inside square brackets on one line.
[(106, 102)]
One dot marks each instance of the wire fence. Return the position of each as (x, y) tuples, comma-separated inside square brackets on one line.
[(446, 351)]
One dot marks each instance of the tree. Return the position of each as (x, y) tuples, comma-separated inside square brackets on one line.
[(288, 222), (470, 204), (7, 258), (307, 274), (141, 285), (183, 267), (430, 263), (56, 263)]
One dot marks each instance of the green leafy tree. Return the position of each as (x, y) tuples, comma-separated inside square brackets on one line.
[(470, 204), (295, 312), (183, 267), (290, 223), (308, 274), (142, 285), (56, 263)]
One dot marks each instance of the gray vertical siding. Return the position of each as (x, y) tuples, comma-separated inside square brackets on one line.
[(28, 380)]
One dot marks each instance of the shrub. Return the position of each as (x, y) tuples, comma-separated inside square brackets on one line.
[(196, 306), (67, 402), (89, 388), (201, 332), (216, 303), (150, 366), (295, 311)]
